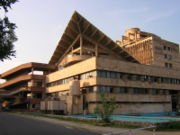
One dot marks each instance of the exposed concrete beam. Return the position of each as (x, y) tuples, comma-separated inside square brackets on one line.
[(102, 36), (77, 24), (81, 45), (108, 42), (69, 48), (65, 41), (87, 26), (93, 33), (100, 45), (69, 36)]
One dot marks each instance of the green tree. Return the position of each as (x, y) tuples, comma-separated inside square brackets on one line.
[(7, 32), (107, 107)]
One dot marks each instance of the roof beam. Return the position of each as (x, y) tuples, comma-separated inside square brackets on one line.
[(70, 36), (75, 25), (108, 42), (73, 30), (102, 36), (78, 27), (61, 46), (87, 26), (65, 41), (93, 33), (100, 45), (115, 47), (69, 48)]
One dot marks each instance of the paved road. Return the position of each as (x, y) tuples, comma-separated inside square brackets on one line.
[(15, 125)]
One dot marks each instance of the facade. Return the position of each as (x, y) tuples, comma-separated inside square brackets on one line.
[(24, 86), (141, 71), (150, 49), (119, 69)]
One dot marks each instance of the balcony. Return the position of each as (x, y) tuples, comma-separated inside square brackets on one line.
[(23, 78), (72, 59)]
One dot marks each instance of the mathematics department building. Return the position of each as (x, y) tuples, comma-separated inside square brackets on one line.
[(141, 71)]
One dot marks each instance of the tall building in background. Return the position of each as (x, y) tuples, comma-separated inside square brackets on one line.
[(150, 49)]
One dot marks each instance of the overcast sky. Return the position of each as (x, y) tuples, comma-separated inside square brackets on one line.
[(41, 23)]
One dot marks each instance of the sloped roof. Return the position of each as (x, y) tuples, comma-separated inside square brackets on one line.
[(79, 25)]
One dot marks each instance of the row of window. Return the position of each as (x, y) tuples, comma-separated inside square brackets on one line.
[(59, 82), (79, 77), (136, 77), (125, 90), (117, 75)]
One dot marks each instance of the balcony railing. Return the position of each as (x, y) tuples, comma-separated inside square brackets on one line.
[(71, 59)]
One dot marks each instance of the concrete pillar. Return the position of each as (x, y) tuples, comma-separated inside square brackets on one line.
[(96, 50), (81, 45)]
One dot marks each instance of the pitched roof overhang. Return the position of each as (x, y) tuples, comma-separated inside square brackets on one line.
[(77, 26)]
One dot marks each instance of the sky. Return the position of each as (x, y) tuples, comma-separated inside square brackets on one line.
[(40, 23)]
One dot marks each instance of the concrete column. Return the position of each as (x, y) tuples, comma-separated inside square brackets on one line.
[(96, 50), (81, 45), (32, 70)]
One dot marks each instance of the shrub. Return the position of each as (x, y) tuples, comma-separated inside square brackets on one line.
[(107, 109)]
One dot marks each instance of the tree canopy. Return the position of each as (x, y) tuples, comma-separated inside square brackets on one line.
[(7, 32)]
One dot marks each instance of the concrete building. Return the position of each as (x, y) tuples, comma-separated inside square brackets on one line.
[(117, 69), (133, 70), (150, 49), (24, 86)]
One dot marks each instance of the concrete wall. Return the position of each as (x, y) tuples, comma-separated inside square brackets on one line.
[(159, 52), (129, 102), (133, 103), (81, 67), (128, 67)]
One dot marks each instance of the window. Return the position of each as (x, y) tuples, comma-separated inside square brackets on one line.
[(113, 75), (166, 56), (104, 89), (169, 57), (166, 64), (155, 92), (118, 75), (169, 48), (108, 74), (103, 74), (140, 91), (121, 90), (112, 89), (129, 76), (89, 89), (164, 47), (170, 65)]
